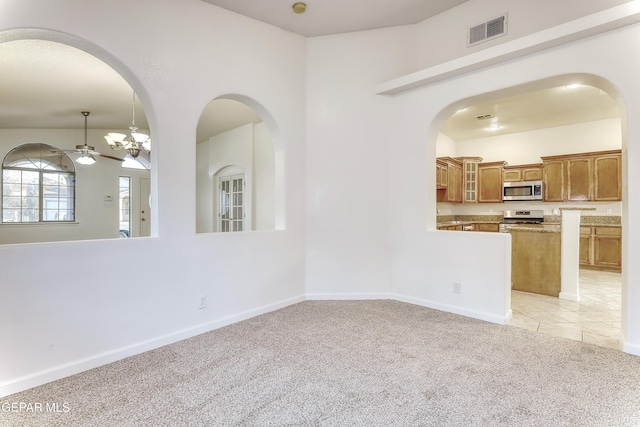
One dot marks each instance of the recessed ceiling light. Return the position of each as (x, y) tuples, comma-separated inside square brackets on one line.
[(494, 127)]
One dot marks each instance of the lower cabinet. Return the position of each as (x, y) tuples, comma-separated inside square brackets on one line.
[(601, 248), (490, 227), (457, 227), (475, 226)]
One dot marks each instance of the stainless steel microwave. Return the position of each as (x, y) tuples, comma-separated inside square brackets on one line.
[(522, 190)]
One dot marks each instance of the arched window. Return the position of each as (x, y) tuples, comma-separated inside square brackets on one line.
[(38, 185)]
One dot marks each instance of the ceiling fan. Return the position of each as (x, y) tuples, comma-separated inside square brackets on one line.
[(87, 152)]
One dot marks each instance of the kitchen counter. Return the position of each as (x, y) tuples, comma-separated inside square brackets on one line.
[(491, 226), (536, 228)]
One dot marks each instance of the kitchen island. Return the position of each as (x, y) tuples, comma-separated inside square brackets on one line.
[(535, 259)]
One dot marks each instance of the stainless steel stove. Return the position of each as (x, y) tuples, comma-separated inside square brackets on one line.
[(512, 218)]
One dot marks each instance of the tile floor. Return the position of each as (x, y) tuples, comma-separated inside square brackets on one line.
[(595, 319)]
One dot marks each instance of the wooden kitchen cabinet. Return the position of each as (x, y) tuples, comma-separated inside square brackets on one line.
[(457, 198), (454, 181), (579, 179), (531, 172), (449, 180), (607, 247), (457, 227), (586, 247), (490, 182), (594, 176), (488, 227), (601, 248), (607, 182), (553, 181), (441, 174), (469, 185)]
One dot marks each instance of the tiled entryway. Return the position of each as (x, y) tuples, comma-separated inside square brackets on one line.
[(594, 319)]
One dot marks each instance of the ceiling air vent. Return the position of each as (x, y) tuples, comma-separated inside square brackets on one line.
[(488, 30), (484, 116)]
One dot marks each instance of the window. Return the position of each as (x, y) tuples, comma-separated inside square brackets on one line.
[(124, 206), (38, 185), (231, 215)]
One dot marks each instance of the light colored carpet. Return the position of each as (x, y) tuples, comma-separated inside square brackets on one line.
[(352, 363)]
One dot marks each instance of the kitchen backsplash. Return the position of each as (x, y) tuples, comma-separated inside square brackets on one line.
[(591, 220), (601, 208)]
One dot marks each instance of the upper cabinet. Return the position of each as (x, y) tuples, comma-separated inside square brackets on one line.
[(607, 182), (490, 182), (441, 175), (532, 172), (594, 176), (457, 179), (553, 181), (470, 179), (449, 180)]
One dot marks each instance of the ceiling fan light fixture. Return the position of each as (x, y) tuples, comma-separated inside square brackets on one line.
[(86, 158)]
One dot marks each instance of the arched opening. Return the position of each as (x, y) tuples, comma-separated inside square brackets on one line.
[(58, 94), (567, 133), (237, 168)]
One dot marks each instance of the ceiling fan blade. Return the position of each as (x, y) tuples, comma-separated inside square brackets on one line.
[(106, 156)]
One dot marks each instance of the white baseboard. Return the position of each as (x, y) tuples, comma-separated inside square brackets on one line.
[(631, 348), (81, 365), (351, 296), (456, 310), (569, 296)]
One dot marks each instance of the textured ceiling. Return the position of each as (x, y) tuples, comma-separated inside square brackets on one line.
[(324, 17), (546, 108)]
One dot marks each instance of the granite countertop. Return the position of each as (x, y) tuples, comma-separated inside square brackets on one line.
[(553, 220), (537, 228), (464, 222)]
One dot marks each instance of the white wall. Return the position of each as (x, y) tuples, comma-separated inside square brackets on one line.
[(105, 307), (446, 147), (527, 147), (349, 197), (444, 37), (263, 179)]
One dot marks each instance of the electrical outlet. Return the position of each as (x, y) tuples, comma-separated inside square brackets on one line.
[(203, 302), (457, 288)]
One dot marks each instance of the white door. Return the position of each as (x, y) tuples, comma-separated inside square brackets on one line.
[(145, 207), (232, 207)]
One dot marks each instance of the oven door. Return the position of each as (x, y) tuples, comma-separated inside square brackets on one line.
[(524, 190)]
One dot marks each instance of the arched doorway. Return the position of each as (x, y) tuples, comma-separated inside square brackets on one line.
[(566, 115), (47, 87), (238, 174)]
